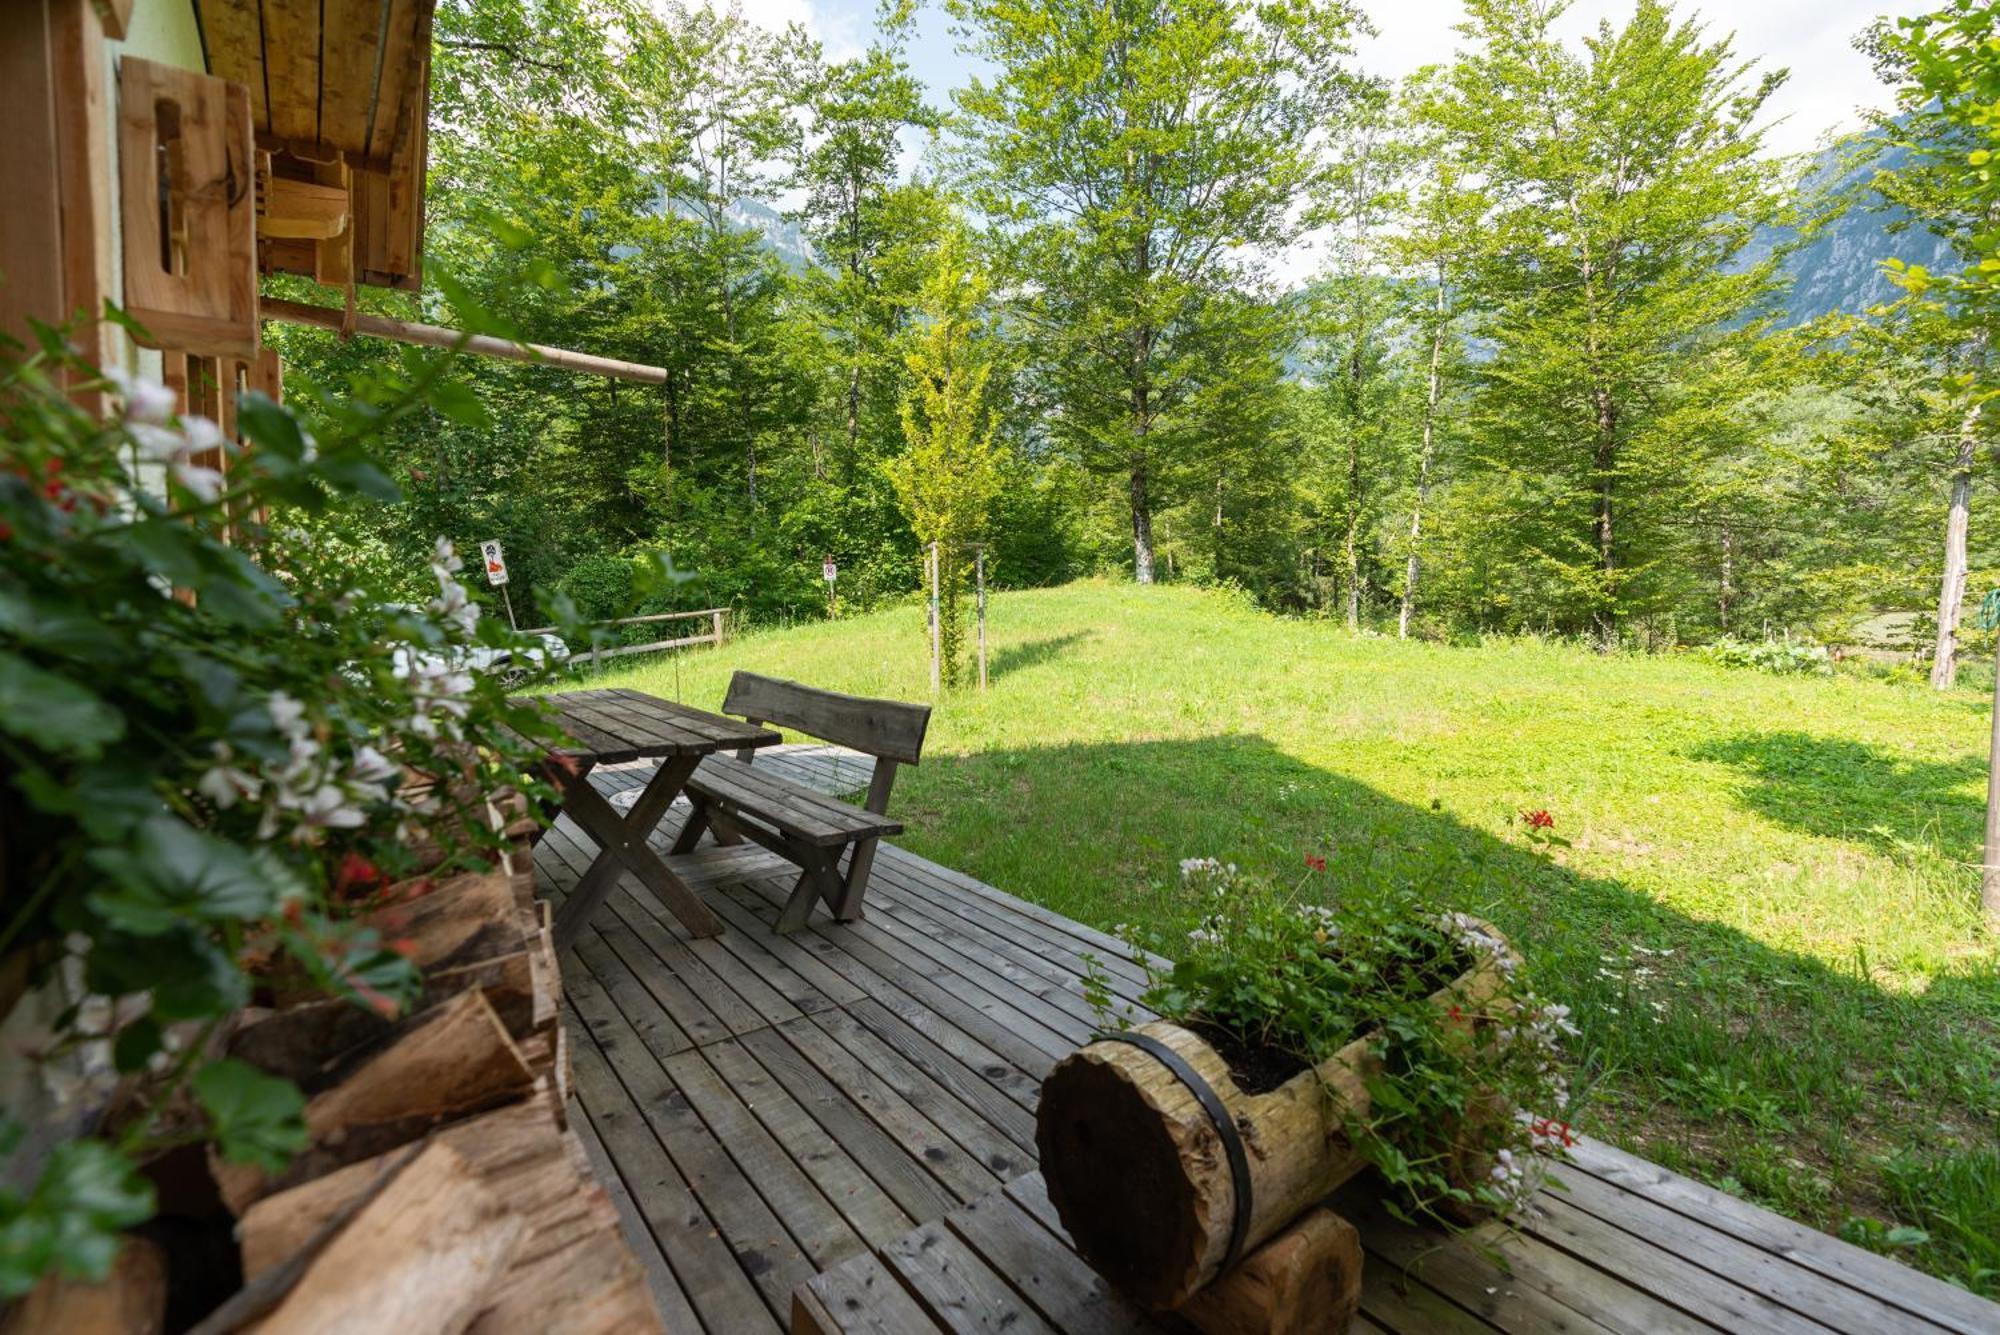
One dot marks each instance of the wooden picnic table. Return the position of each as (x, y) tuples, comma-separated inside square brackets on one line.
[(610, 726)]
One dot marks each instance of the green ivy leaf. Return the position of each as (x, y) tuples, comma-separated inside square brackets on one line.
[(53, 712), (259, 1119), (269, 426), (87, 1192)]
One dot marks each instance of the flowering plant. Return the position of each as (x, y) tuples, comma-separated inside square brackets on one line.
[(1280, 984), (204, 748)]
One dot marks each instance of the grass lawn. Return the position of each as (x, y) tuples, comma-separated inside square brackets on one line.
[(1766, 918)]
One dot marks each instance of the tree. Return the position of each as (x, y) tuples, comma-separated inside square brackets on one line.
[(1136, 156), (1947, 124), (869, 230), (950, 476), (1436, 247), (1626, 181)]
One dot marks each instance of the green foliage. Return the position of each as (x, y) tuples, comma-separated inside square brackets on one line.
[(1272, 967), (952, 472), (1779, 656), (206, 752)]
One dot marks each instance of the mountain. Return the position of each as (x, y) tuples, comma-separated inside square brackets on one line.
[(1840, 267)]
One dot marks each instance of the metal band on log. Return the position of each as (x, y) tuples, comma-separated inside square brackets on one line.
[(1141, 1174)]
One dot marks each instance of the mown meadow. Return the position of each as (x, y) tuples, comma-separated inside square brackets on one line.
[(1760, 895)]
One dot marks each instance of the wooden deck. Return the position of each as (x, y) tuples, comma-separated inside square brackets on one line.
[(768, 1108)]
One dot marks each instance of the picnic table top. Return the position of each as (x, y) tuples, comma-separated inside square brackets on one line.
[(611, 725)]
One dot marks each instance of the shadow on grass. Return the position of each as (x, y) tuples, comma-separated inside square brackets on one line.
[(1709, 1050), (1033, 653), (1845, 789)]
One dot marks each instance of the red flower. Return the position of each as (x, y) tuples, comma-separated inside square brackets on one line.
[(404, 946), (1538, 819), (1454, 1014), (1315, 863), (356, 873)]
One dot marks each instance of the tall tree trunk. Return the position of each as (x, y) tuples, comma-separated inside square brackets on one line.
[(1350, 544), (1604, 458), (1142, 528), (1432, 390), (1951, 589), (1725, 593)]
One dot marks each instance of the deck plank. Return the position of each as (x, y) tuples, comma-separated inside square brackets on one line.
[(856, 1101)]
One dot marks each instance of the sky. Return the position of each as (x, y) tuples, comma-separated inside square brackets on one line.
[(1812, 38)]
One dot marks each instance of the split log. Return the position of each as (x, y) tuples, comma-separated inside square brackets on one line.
[(130, 1300), (572, 1271), (451, 1061), (513, 1150), (419, 1260), (1140, 1173), (1305, 1281), (465, 919)]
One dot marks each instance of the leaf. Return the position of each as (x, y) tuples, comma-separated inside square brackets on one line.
[(54, 712), (259, 1119), (269, 426), (135, 1045), (62, 630), (189, 975), (166, 547), (87, 1193), (173, 872), (351, 470), (1903, 1235)]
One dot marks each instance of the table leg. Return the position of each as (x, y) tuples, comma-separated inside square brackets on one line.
[(623, 841)]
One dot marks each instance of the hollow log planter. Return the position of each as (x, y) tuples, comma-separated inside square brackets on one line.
[(1155, 1196)]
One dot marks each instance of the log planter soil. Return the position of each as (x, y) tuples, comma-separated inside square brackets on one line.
[(1143, 1178)]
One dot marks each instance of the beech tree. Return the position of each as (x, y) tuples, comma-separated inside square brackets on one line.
[(1626, 180), (1136, 156)]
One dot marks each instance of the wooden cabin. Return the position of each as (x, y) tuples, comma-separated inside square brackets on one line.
[(169, 153)]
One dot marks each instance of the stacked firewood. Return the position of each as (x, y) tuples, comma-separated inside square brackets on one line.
[(442, 1190)]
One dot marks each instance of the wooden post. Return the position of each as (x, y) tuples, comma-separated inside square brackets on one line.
[(979, 569), (937, 644), (1305, 1281), (718, 627)]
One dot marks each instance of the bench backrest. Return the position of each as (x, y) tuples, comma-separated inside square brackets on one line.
[(885, 729)]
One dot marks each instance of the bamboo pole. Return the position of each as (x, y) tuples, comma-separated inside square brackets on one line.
[(436, 336)]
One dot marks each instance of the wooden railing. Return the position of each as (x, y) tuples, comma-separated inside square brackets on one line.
[(718, 631)]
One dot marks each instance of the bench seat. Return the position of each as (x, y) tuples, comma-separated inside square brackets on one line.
[(742, 789)]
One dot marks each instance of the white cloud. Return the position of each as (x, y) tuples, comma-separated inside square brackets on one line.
[(841, 30)]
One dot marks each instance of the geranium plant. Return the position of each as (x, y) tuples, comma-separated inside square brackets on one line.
[(209, 746), (1279, 981)]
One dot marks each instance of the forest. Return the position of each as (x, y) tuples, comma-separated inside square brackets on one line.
[(1550, 375)]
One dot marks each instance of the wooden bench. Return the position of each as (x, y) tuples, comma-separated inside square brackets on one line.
[(734, 800)]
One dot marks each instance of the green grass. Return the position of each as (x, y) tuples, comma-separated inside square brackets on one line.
[(1766, 917)]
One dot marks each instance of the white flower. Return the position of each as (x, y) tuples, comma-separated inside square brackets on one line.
[(157, 444), (444, 559), (330, 808), (146, 401), (224, 784), (202, 434), (371, 766), (288, 714), (205, 483)]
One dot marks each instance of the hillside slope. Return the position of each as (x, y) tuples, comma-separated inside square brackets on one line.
[(1764, 917)]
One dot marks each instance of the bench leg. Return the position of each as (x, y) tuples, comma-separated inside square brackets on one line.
[(846, 905), (691, 833), (819, 880), (724, 827)]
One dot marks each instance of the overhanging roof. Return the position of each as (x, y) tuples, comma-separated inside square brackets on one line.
[(337, 81)]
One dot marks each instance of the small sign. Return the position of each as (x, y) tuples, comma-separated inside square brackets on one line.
[(828, 570), (496, 562)]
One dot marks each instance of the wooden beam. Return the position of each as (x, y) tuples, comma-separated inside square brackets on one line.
[(436, 336)]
